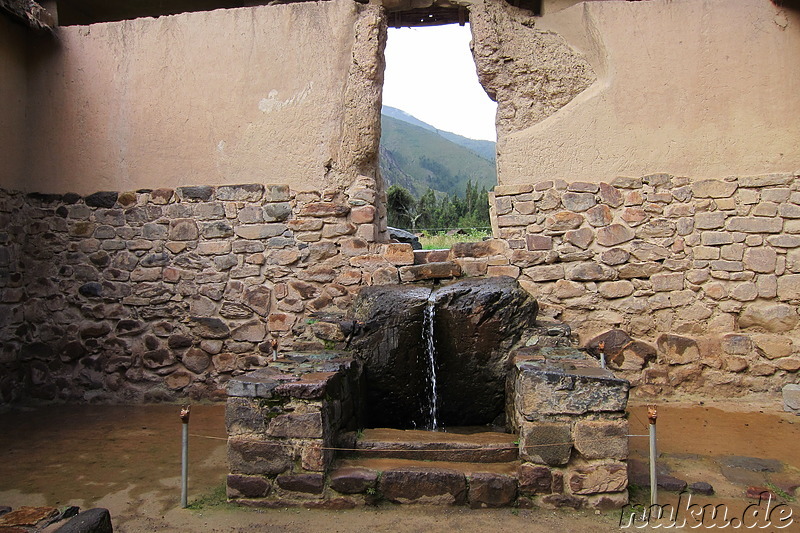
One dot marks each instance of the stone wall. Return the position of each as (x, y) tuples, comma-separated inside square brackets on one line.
[(161, 293), (700, 278)]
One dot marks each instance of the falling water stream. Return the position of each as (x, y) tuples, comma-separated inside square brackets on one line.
[(430, 363)]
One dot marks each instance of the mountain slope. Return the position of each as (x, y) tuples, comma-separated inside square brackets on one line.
[(485, 149), (419, 158)]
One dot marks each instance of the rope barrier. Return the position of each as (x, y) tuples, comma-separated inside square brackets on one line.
[(437, 450)]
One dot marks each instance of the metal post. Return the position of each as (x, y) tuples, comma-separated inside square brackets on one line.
[(185, 457), (652, 414)]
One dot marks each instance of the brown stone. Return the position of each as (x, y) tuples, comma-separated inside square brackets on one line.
[(252, 331), (678, 350), (210, 328), (613, 235), (183, 229), (491, 490), (634, 356), (581, 238), (590, 271), (27, 516), (772, 317), (423, 485), (534, 479), (634, 215), (773, 346), (578, 201), (178, 380), (280, 322), (324, 209), (308, 483), (353, 480), (240, 486), (615, 289), (399, 254), (610, 195), (196, 360), (362, 215), (545, 272), (429, 271), (563, 221), (599, 215), (224, 362), (714, 189), (538, 242), (600, 478), (789, 364)]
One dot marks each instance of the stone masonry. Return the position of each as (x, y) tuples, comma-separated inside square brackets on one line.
[(159, 294)]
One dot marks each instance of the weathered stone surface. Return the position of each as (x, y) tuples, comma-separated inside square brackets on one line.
[(392, 346), (546, 443), (196, 360), (563, 221), (596, 479), (102, 199), (257, 457), (755, 224), (772, 317), (423, 485), (27, 516), (590, 271), (678, 350), (551, 388), (429, 271), (491, 490), (324, 209), (613, 235), (252, 331), (307, 425), (538, 242), (308, 483), (602, 439), (243, 193), (714, 189), (534, 479), (353, 480), (240, 486), (97, 520), (210, 328), (791, 398), (578, 201), (183, 229)]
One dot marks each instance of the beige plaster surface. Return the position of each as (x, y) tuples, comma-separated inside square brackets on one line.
[(250, 95), (706, 88), (13, 88)]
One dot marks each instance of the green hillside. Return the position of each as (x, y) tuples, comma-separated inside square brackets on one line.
[(419, 158)]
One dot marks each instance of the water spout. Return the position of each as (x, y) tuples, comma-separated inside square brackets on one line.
[(431, 407)]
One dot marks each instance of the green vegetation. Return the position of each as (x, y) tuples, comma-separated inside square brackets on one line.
[(438, 213), (420, 158), (217, 498), (438, 241)]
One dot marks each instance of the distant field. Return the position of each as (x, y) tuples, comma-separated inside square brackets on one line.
[(435, 241)]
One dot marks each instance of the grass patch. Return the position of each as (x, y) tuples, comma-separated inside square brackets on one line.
[(216, 499), (436, 241)]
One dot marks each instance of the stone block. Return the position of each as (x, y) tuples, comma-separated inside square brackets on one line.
[(772, 317), (491, 490), (260, 231), (601, 439), (545, 443), (578, 201), (714, 189), (259, 457), (423, 485), (590, 271), (441, 270), (668, 282), (613, 235), (257, 384), (307, 483), (196, 194), (596, 479), (538, 242), (302, 426), (239, 486), (399, 254), (678, 350), (563, 221), (353, 480), (610, 195), (710, 220), (512, 190), (549, 388), (755, 224), (534, 479), (615, 289), (766, 180), (773, 346)]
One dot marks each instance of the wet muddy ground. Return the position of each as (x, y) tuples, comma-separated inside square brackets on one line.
[(127, 458)]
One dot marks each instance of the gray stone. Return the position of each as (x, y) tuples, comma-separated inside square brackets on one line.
[(201, 193), (97, 520), (755, 224), (546, 443), (210, 328), (217, 230), (241, 193), (578, 201), (772, 317), (305, 426), (240, 486), (260, 231), (183, 229), (258, 457), (791, 398), (602, 439), (102, 199)]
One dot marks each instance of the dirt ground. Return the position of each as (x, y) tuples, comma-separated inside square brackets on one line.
[(127, 459)]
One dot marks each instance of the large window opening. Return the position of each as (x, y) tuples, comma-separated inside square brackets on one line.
[(437, 153)]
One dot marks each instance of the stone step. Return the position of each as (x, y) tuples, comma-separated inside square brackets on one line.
[(455, 445), (428, 482)]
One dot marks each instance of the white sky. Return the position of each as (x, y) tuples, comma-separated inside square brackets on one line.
[(430, 74)]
